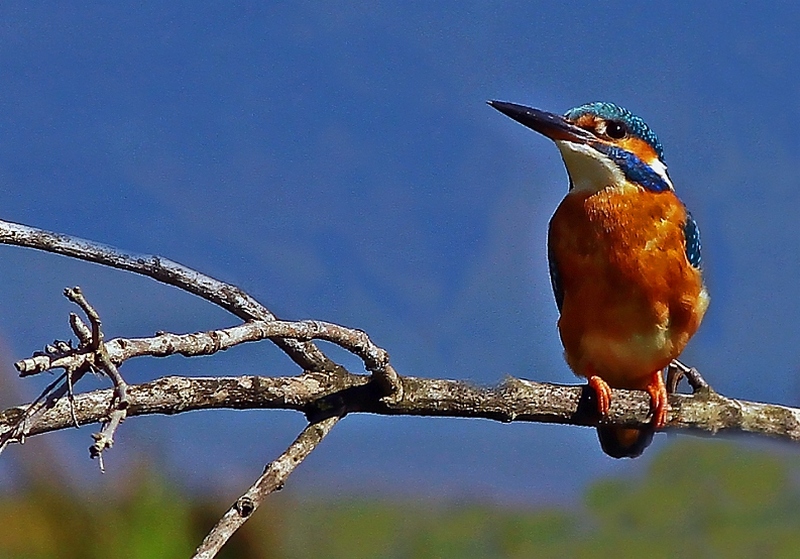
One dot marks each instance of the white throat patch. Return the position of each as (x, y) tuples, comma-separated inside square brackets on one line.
[(589, 170)]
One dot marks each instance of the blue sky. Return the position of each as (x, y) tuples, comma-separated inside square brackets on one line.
[(339, 163)]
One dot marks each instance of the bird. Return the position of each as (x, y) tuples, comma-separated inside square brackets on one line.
[(624, 259)]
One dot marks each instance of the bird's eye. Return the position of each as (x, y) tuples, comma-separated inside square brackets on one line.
[(616, 129)]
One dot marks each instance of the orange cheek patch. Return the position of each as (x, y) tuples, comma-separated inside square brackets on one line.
[(640, 148), (586, 121)]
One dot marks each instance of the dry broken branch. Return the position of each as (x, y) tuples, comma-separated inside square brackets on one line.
[(94, 354)]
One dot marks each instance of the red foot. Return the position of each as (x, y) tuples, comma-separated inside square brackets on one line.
[(658, 394), (603, 392)]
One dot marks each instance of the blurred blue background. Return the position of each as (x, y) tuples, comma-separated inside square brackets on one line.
[(337, 161)]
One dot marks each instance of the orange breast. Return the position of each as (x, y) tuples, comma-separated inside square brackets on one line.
[(632, 300)]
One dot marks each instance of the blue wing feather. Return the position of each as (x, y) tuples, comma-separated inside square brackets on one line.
[(691, 234), (555, 279)]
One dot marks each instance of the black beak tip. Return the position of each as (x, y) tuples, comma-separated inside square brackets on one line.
[(551, 125), (512, 110), (496, 104)]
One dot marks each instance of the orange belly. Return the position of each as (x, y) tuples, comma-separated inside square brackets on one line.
[(631, 299)]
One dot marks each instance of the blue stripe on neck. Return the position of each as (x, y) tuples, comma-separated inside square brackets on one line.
[(634, 169)]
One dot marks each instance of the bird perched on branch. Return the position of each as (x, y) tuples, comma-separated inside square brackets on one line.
[(624, 259)]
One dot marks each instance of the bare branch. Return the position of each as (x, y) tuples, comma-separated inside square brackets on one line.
[(513, 400), (207, 343), (273, 479), (227, 296), (101, 361), (118, 350)]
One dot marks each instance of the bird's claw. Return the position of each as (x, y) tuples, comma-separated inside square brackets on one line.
[(603, 392), (659, 400)]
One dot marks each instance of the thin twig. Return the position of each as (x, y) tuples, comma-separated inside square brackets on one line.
[(71, 395), (273, 479), (104, 439), (82, 332), (376, 359), (18, 430), (56, 389)]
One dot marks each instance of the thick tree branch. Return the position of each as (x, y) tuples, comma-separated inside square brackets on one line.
[(512, 400)]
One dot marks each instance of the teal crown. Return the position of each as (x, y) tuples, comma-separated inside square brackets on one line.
[(610, 111)]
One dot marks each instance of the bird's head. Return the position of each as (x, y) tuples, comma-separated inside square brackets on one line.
[(602, 145)]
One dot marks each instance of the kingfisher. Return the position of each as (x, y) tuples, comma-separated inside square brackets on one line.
[(624, 258)]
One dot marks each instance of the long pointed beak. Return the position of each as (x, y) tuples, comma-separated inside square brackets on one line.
[(554, 126)]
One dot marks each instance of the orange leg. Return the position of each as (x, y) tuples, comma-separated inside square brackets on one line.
[(603, 392), (658, 394)]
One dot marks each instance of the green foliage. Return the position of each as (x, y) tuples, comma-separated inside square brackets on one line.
[(700, 499), (49, 522), (412, 530), (697, 499)]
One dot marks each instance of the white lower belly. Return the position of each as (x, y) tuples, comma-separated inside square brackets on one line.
[(636, 356)]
